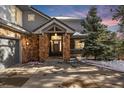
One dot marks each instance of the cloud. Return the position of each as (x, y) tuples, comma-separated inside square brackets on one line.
[(109, 22), (77, 14), (82, 14)]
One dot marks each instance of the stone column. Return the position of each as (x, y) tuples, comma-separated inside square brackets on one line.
[(43, 47), (34, 49), (66, 47)]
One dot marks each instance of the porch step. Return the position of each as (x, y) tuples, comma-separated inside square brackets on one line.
[(51, 59)]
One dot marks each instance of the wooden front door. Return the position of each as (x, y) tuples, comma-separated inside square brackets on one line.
[(56, 46)]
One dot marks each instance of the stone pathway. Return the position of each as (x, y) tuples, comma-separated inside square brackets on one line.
[(53, 75)]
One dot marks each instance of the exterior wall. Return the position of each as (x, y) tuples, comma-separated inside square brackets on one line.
[(43, 47), (31, 25), (66, 47), (24, 48), (28, 52), (30, 48), (35, 47), (34, 42)]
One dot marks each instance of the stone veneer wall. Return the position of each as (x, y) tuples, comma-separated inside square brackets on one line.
[(25, 48), (66, 46), (43, 47), (37, 48), (34, 48), (30, 51)]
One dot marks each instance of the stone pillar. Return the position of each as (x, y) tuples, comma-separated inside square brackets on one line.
[(66, 47), (43, 47), (34, 48)]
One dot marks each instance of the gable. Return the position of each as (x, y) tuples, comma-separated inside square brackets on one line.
[(31, 25), (52, 22), (54, 28)]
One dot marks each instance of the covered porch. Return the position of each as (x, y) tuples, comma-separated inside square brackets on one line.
[(54, 40)]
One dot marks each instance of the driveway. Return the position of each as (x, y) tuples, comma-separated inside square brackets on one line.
[(63, 75)]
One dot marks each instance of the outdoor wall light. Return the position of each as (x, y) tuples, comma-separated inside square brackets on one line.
[(27, 43)]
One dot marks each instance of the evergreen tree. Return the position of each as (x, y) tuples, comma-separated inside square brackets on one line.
[(118, 14), (95, 43)]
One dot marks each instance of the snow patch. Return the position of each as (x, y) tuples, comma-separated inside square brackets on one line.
[(117, 65), (2, 66), (77, 33)]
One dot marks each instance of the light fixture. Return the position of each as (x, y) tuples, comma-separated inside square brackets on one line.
[(55, 36), (27, 43)]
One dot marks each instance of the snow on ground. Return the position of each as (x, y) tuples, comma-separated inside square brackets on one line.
[(117, 65)]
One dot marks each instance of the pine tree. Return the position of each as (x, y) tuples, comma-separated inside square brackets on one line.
[(118, 14), (95, 43)]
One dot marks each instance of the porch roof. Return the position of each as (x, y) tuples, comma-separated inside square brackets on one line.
[(77, 35), (39, 30)]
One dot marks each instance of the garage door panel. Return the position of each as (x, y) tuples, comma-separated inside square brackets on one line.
[(9, 52)]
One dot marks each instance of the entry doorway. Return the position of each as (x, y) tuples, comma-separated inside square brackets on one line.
[(55, 45)]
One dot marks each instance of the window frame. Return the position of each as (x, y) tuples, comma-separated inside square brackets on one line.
[(31, 17), (78, 45)]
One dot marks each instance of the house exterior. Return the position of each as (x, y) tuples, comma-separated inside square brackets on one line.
[(29, 35)]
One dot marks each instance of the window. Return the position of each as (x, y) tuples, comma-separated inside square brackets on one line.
[(31, 17), (13, 14), (79, 44), (18, 16)]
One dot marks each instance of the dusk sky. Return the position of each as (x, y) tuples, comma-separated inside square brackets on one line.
[(80, 11)]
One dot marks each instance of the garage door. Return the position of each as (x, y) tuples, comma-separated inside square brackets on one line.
[(9, 52)]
